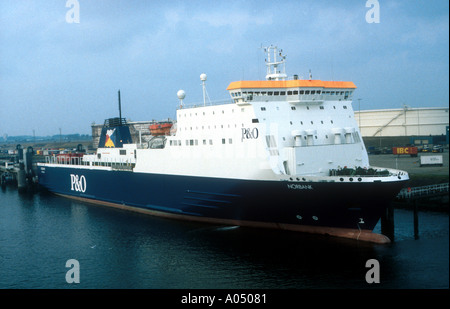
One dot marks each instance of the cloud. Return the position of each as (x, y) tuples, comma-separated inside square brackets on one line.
[(150, 49)]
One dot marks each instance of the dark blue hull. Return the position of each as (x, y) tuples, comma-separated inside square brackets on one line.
[(319, 207)]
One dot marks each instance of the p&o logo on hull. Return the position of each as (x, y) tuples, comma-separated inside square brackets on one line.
[(77, 183)]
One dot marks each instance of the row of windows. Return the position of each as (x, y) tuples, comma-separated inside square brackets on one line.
[(242, 110), (209, 127), (291, 92), (263, 108), (204, 113), (194, 142), (253, 121)]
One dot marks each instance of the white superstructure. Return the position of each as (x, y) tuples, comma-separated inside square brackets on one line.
[(271, 129)]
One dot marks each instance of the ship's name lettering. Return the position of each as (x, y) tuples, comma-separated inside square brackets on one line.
[(249, 133), (295, 186), (78, 183)]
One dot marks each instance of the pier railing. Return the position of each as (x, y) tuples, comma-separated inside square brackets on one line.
[(424, 191)]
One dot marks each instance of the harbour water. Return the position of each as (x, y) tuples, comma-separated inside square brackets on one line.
[(40, 232)]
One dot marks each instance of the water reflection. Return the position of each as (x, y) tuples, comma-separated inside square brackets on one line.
[(121, 249)]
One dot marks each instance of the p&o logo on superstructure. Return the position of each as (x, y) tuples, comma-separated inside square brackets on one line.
[(77, 183)]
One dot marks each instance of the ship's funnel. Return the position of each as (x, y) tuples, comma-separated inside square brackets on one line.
[(115, 133)]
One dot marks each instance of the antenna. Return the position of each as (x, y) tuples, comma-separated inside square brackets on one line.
[(120, 111), (272, 63), (181, 95), (205, 93)]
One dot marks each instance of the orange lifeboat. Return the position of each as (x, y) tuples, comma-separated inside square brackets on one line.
[(160, 128)]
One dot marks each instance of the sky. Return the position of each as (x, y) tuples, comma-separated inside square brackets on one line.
[(57, 72)]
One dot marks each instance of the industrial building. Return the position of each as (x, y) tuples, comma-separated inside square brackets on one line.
[(404, 126)]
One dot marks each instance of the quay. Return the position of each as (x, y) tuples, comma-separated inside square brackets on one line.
[(426, 190), (19, 168), (18, 165)]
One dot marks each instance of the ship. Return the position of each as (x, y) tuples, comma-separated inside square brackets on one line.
[(282, 153)]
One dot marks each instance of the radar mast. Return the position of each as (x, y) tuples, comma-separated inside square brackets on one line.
[(275, 60)]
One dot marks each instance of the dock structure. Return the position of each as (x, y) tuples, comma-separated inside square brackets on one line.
[(20, 170), (412, 196), (9, 172)]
